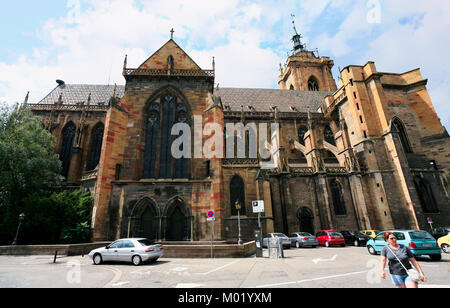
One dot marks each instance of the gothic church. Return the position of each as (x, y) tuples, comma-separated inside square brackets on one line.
[(367, 153)]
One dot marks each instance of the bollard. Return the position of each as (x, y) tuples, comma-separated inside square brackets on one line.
[(54, 259)]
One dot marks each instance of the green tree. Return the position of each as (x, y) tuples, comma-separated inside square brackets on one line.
[(28, 163)]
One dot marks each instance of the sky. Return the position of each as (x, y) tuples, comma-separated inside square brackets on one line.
[(85, 41)]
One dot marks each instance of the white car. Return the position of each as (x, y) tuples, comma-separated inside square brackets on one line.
[(134, 250), (285, 241)]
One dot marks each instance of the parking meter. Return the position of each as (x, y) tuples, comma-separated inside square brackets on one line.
[(259, 243)]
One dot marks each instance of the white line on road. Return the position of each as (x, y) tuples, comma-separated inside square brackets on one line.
[(219, 268), (117, 276), (310, 280)]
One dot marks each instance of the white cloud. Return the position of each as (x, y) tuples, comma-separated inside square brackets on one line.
[(92, 50)]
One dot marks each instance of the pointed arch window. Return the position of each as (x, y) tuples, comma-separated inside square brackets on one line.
[(400, 128), (301, 134), (68, 137), (163, 113), (426, 196), (338, 198), (329, 135), (237, 193), (96, 146), (313, 84)]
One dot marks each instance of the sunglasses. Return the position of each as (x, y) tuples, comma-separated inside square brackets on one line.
[(392, 238)]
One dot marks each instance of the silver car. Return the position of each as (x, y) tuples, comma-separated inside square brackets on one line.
[(135, 250), (285, 241), (303, 239)]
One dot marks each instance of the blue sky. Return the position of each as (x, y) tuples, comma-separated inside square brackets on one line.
[(47, 40)]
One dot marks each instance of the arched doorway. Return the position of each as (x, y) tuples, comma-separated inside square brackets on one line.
[(178, 221), (145, 221), (306, 220)]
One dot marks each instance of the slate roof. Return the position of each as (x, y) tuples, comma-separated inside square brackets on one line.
[(73, 94), (261, 100)]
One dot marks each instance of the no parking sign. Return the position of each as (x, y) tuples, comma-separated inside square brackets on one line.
[(211, 216)]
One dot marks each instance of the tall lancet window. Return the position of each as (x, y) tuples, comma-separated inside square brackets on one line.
[(65, 155), (313, 84), (163, 113), (96, 146), (398, 125), (329, 135)]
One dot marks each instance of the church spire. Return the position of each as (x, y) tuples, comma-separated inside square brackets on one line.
[(298, 46)]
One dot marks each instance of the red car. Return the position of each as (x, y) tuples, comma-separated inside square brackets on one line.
[(329, 238)]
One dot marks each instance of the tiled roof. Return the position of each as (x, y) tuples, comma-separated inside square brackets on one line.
[(262, 100), (73, 94)]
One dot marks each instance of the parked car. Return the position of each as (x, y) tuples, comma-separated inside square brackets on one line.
[(440, 232), (355, 238), (370, 233), (134, 250), (444, 243), (303, 239), (420, 242), (329, 238), (285, 241)]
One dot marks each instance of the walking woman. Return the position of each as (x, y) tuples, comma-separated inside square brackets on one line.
[(395, 252)]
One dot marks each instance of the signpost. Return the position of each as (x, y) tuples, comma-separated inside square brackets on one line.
[(258, 207), (211, 218), (430, 221)]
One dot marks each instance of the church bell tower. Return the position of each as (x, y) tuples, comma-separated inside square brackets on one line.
[(306, 71)]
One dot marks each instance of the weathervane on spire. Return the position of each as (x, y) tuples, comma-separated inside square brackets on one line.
[(298, 46)]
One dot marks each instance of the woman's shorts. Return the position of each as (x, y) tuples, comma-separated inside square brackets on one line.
[(400, 280)]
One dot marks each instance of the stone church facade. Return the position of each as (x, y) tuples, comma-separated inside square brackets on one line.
[(367, 153)]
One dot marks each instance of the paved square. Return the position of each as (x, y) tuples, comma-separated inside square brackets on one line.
[(313, 268)]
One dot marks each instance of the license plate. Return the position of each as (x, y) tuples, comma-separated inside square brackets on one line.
[(427, 245)]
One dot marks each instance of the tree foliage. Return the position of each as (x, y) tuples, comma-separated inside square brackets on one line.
[(30, 182)]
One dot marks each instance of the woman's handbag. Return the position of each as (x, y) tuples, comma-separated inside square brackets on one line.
[(412, 273)]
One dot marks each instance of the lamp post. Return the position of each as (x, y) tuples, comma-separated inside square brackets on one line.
[(238, 208), (21, 218)]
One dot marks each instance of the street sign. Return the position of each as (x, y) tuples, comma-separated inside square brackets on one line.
[(211, 219), (258, 206), (211, 214), (430, 220)]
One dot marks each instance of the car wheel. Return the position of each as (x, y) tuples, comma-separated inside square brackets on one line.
[(327, 244), (136, 260), (372, 250), (98, 259), (436, 257), (445, 248), (356, 243), (297, 244)]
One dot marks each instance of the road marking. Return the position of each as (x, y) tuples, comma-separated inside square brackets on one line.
[(326, 260), (188, 286), (310, 280), (219, 268), (117, 276), (120, 284)]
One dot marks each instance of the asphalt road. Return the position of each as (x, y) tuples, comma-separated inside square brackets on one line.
[(348, 267)]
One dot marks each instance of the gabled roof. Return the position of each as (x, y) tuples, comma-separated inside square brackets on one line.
[(159, 59)]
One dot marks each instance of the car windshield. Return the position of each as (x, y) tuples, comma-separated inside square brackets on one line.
[(335, 233), (279, 235), (304, 234), (420, 235), (346, 233), (146, 242)]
